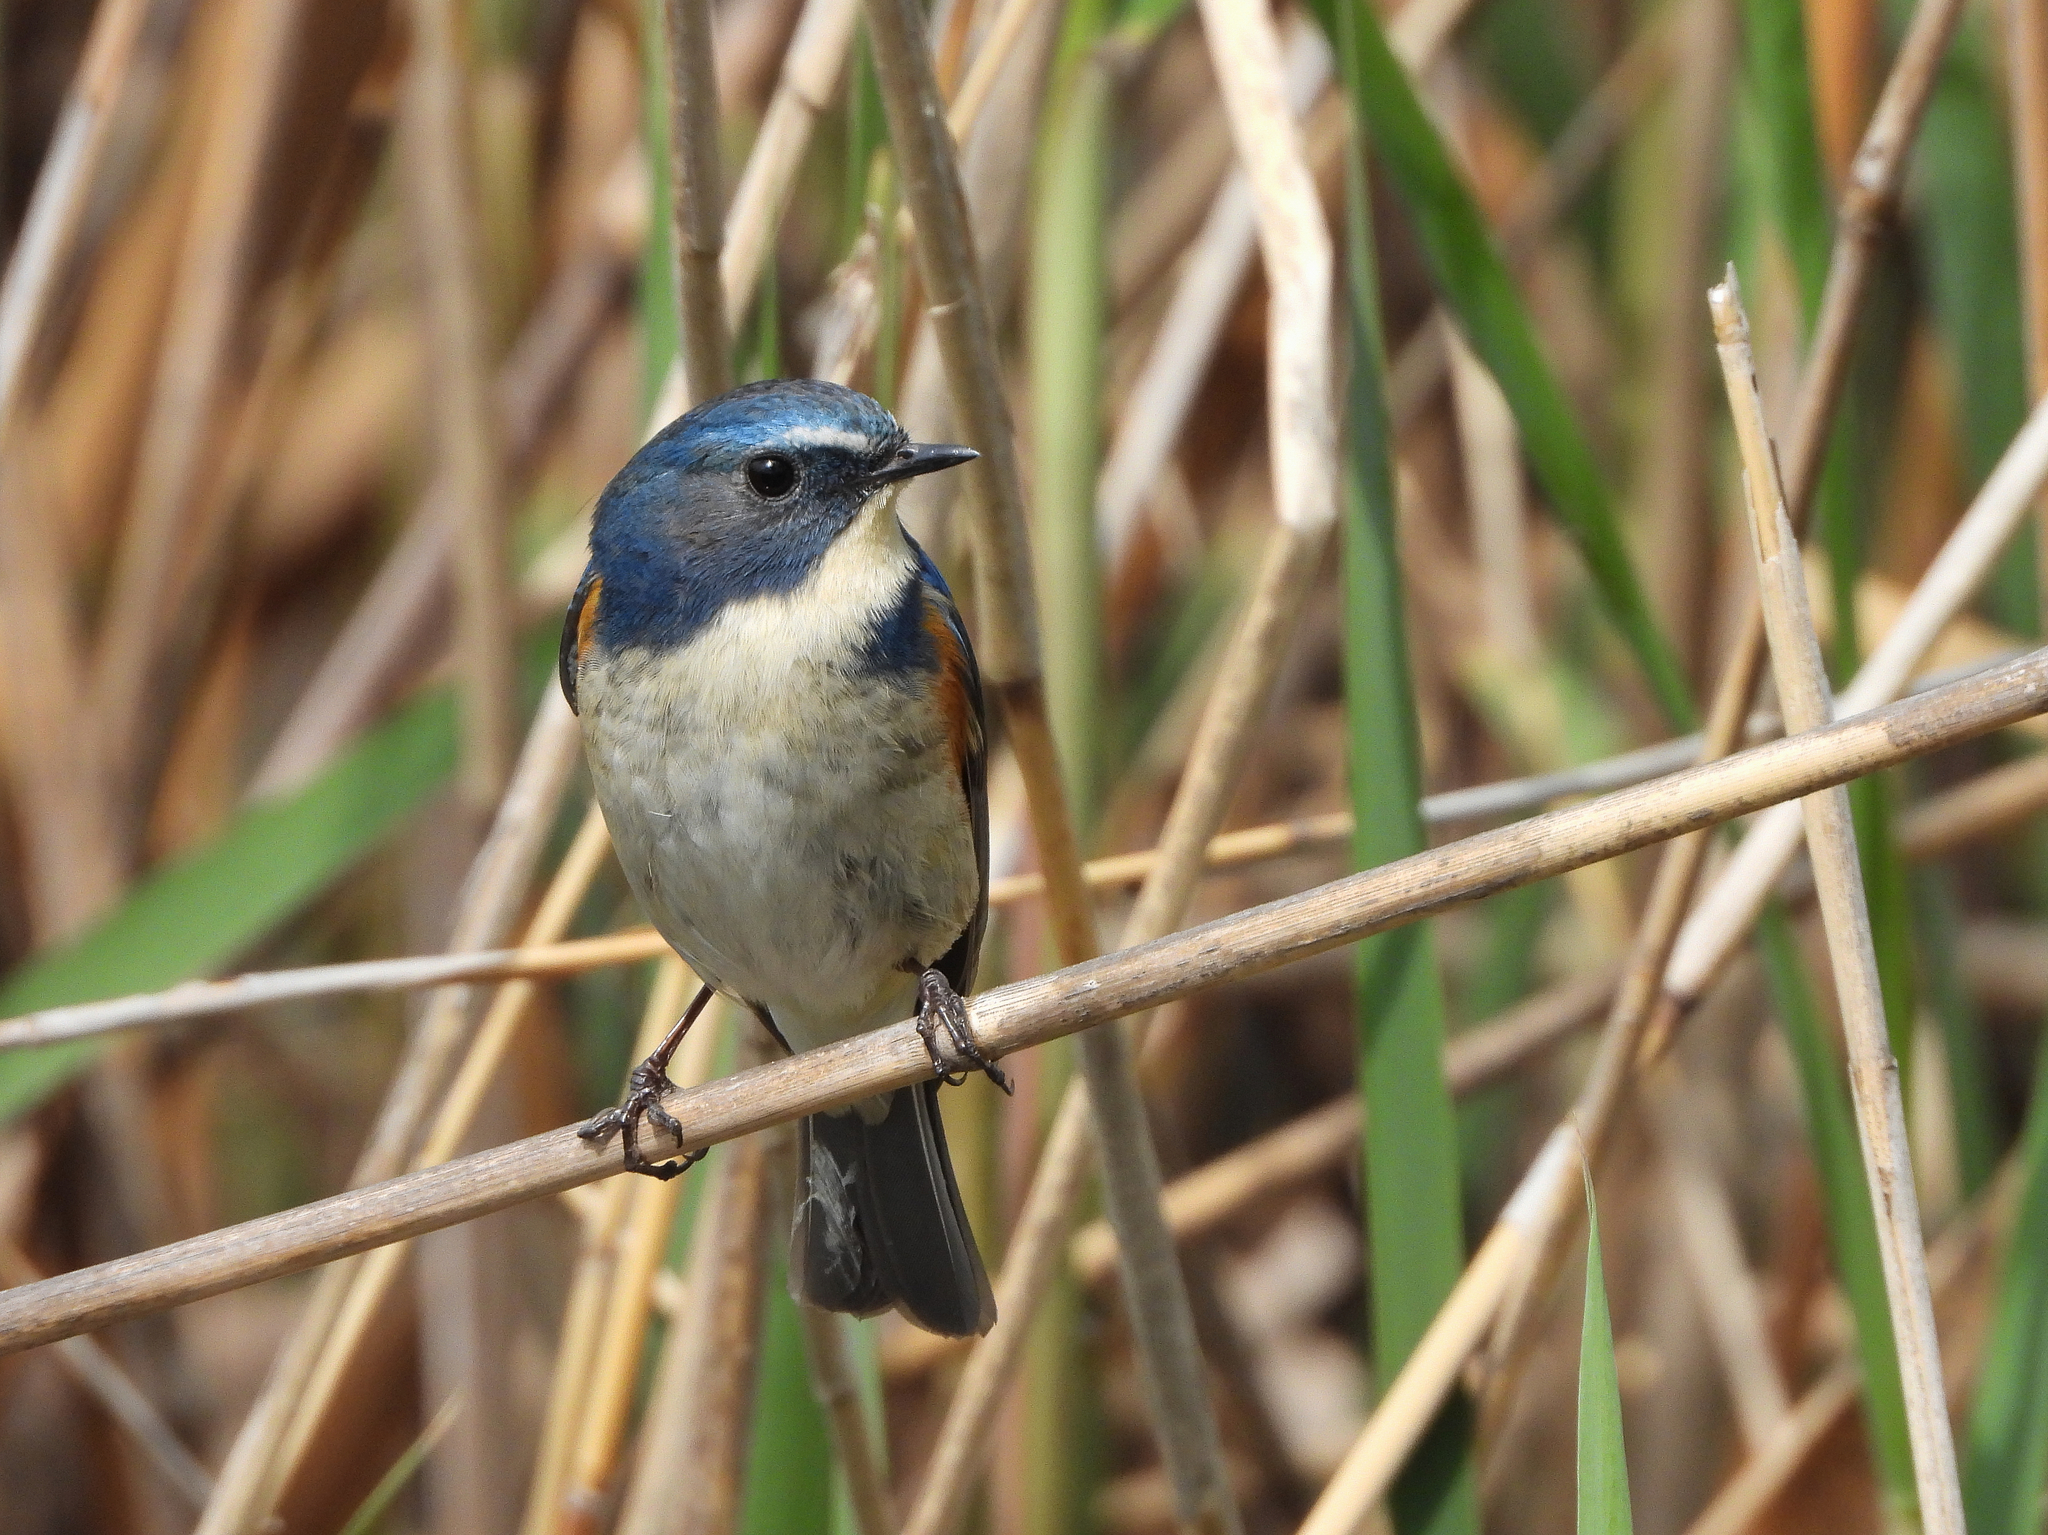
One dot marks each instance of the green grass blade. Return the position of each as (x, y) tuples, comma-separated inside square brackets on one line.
[(370, 1513), (1967, 236), (1938, 933), (660, 340), (1845, 1196), (1794, 191), (1603, 1506), (1413, 1219), (197, 912), (2005, 1456), (1068, 314), (789, 1457), (1475, 283), (1795, 185)]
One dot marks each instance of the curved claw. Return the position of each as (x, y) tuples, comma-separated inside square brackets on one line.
[(938, 1003), (647, 1086)]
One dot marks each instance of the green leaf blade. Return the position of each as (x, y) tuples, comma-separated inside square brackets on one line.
[(1603, 1502), (195, 914), (1474, 282)]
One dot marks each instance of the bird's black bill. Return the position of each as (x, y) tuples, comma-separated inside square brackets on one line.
[(922, 458)]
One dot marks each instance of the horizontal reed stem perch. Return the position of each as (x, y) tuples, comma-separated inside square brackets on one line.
[(1249, 845), (1046, 1007)]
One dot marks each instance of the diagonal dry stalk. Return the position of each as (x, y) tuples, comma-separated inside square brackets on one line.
[(1729, 1298), (1176, 1383), (1729, 908), (439, 183), (689, 1474), (103, 1379), (687, 1478), (1968, 811), (817, 54), (1873, 1074), (64, 184), (1495, 1293), (608, 1394), (1198, 1203), (853, 1448), (1746, 1495), (152, 569), (697, 191), (74, 863), (1295, 243), (2026, 58), (1045, 1007), (488, 905), (454, 1114)]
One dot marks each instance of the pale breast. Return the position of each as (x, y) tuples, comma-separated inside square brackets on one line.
[(793, 824)]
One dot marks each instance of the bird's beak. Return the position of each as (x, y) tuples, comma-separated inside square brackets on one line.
[(921, 458)]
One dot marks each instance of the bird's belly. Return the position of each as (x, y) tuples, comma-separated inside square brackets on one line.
[(804, 841)]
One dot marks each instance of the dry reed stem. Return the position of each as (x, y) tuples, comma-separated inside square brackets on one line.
[(609, 1391), (100, 1374), (1965, 812), (576, 1344), (803, 91), (75, 866), (1412, 1402), (687, 1477), (436, 133), (376, 640), (249, 1481), (2026, 57), (1170, 1359), (149, 575), (1763, 1476), (49, 228), (1725, 1290), (1233, 712), (1675, 500), (846, 1420), (1867, 199), (1317, 1143), (1744, 1497), (1211, 276), (454, 1115), (697, 192), (1007, 634), (989, 58), (1831, 840), (1987, 803), (1730, 906), (385, 634), (1046, 1007), (1245, 50)]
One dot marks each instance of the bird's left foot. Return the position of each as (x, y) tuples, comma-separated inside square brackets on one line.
[(645, 1089), (938, 1004)]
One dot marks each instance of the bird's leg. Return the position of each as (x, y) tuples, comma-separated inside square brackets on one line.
[(645, 1089), (938, 1003)]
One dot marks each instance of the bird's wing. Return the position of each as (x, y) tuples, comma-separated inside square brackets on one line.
[(959, 685), (576, 625)]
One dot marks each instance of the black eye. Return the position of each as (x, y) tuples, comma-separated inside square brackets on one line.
[(772, 475)]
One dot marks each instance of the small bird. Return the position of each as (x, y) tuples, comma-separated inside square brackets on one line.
[(785, 731)]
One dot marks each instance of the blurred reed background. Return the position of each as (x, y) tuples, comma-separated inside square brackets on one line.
[(325, 322)]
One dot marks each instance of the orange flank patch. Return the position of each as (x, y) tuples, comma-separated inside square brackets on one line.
[(586, 617), (955, 701)]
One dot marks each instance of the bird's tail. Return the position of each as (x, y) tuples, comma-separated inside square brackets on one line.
[(879, 1222)]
